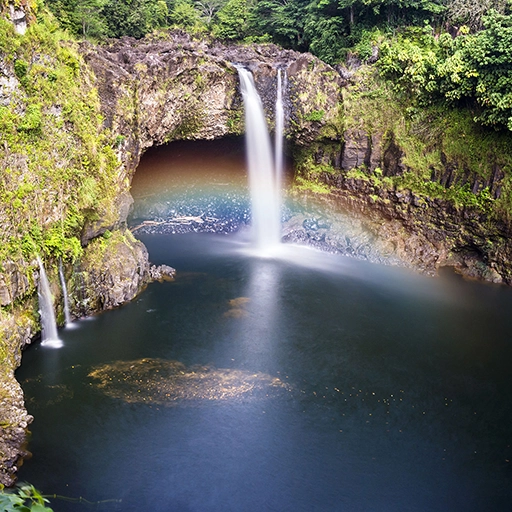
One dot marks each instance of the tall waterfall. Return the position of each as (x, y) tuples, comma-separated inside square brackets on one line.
[(264, 184), (67, 316), (48, 323)]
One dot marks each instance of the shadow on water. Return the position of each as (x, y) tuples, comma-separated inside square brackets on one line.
[(302, 381)]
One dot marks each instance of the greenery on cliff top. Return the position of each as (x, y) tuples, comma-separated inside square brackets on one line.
[(58, 165), (436, 49), (328, 28)]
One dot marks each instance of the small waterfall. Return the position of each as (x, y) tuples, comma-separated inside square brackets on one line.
[(263, 184), (278, 136), (48, 323), (67, 316)]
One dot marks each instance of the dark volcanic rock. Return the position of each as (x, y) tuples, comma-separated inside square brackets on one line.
[(154, 91), (422, 232), (112, 272)]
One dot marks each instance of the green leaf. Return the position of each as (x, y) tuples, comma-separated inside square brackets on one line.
[(37, 507)]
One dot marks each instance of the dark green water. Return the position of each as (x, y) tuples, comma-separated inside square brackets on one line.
[(393, 390)]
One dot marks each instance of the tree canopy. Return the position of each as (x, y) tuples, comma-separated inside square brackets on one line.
[(453, 51)]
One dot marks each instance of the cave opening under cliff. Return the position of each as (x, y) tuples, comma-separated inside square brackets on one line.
[(193, 186)]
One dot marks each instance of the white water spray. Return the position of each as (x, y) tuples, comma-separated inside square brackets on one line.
[(263, 183), (48, 323), (67, 316)]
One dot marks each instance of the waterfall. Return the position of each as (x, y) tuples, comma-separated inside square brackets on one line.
[(67, 316), (278, 135), (48, 323), (264, 185)]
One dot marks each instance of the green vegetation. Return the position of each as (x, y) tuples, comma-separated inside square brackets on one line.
[(315, 115), (328, 28), (58, 164), (23, 498), (471, 70), (441, 151), (311, 184)]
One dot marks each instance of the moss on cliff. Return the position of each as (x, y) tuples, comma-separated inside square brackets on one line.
[(60, 185), (58, 164), (115, 267), (434, 152)]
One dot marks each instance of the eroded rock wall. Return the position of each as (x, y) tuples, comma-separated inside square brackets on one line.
[(403, 228), (156, 91)]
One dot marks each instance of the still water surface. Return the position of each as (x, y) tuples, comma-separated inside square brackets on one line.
[(310, 382)]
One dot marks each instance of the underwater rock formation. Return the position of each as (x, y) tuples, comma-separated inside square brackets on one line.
[(167, 382)]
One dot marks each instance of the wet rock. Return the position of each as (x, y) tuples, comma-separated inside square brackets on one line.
[(355, 149), (154, 91), (95, 228), (14, 284), (16, 330), (113, 271), (411, 230), (19, 13), (161, 273)]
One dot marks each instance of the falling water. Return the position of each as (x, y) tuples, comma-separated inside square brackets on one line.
[(48, 323), (264, 190), (278, 141), (67, 316)]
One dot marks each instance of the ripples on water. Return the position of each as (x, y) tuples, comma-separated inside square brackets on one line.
[(301, 381)]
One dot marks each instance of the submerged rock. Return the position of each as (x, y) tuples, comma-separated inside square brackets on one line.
[(167, 382)]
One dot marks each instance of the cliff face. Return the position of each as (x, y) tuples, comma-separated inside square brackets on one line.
[(428, 188), (424, 202), (155, 91), (399, 227)]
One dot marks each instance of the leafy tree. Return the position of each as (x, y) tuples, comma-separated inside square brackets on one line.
[(411, 63), (325, 37), (471, 13), (87, 14), (208, 9), (480, 69), (232, 20), (134, 18), (283, 20), (24, 498), (64, 12), (472, 70), (160, 13), (185, 15)]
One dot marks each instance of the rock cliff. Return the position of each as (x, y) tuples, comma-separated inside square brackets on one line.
[(155, 91), (424, 189)]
